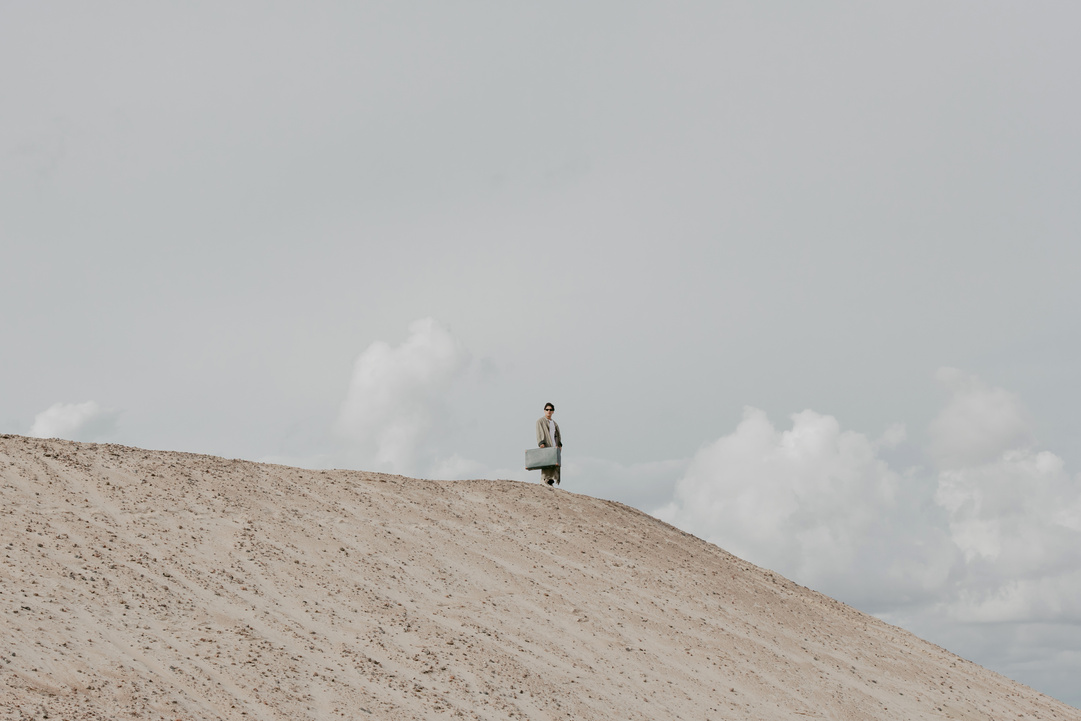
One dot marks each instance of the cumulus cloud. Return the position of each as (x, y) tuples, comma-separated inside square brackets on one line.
[(1017, 520), (978, 424), (75, 421), (990, 532), (817, 504), (989, 537), (396, 401)]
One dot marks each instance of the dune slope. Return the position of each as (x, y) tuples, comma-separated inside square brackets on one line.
[(142, 584)]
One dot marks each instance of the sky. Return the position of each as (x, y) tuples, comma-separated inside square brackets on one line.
[(800, 279)]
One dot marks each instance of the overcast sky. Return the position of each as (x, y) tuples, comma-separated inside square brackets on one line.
[(799, 278)]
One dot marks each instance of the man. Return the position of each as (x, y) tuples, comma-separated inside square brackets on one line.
[(548, 437)]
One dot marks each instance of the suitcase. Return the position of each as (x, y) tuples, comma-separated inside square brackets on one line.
[(541, 458)]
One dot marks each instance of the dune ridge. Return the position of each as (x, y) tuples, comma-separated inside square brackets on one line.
[(140, 584)]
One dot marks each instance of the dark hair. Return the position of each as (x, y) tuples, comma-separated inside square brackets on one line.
[(549, 404)]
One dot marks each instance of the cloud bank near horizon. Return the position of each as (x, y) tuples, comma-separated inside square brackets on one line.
[(75, 421), (990, 530), (989, 537)]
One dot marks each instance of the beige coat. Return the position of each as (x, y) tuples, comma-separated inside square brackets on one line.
[(544, 437)]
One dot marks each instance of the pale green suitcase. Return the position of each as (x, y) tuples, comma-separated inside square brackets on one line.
[(541, 458)]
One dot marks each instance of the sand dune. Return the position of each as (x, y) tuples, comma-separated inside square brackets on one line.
[(152, 585)]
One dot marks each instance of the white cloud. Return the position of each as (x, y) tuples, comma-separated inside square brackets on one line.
[(978, 424), (75, 421), (990, 538), (817, 504), (1017, 521), (395, 415)]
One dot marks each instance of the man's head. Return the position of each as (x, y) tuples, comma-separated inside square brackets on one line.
[(549, 409)]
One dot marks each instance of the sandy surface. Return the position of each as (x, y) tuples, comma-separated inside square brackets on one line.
[(156, 585)]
